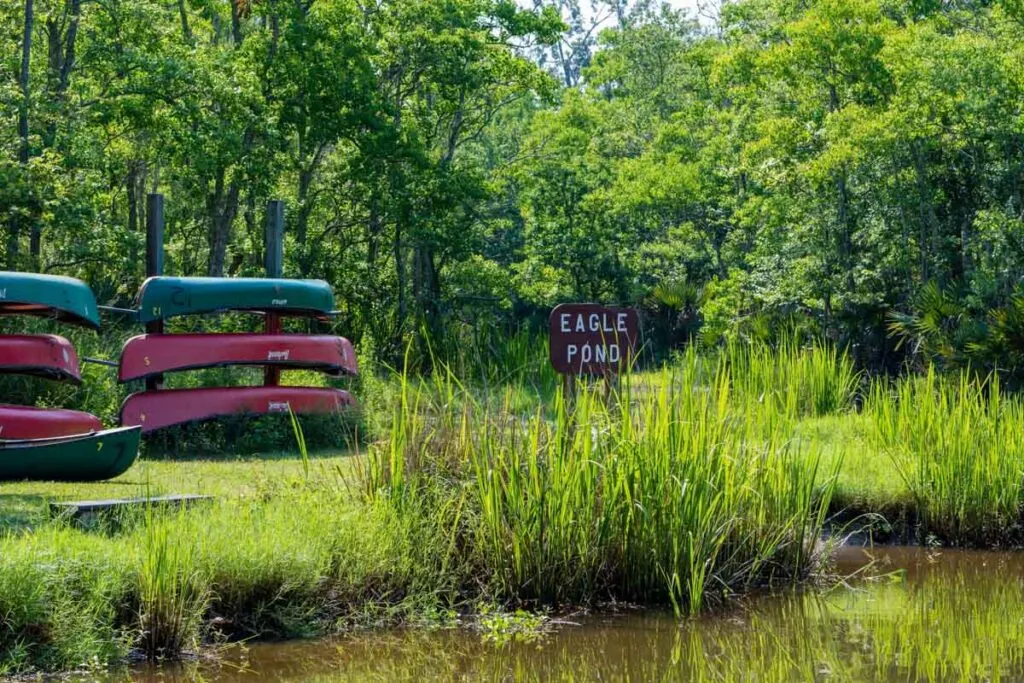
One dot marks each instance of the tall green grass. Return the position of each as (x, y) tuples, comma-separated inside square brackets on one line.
[(172, 594), (802, 380), (690, 485), (958, 443), (683, 493)]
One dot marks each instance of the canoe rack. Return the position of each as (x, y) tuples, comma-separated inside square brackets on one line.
[(51, 443), (48, 356), (150, 356)]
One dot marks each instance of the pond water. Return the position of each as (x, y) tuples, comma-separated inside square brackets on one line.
[(928, 615)]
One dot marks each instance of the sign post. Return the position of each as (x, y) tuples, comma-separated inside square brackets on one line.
[(589, 339)]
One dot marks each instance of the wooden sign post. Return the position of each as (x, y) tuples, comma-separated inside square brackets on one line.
[(589, 339)]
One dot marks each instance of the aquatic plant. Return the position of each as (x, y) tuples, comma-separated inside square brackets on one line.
[(958, 443), (681, 493)]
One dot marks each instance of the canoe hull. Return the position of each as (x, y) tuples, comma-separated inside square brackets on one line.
[(40, 355), (161, 298), (48, 296), (25, 422), (154, 354), (158, 409), (94, 457)]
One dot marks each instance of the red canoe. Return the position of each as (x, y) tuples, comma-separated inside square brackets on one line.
[(154, 354), (156, 409), (40, 355), (24, 422)]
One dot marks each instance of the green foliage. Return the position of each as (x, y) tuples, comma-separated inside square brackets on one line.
[(680, 493), (945, 327), (824, 160)]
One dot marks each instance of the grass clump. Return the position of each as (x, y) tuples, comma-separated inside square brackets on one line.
[(681, 495), (958, 444), (171, 592), (802, 381), (60, 599)]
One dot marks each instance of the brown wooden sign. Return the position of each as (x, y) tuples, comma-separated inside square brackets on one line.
[(588, 339)]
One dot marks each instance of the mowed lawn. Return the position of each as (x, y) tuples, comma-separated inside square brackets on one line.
[(25, 505)]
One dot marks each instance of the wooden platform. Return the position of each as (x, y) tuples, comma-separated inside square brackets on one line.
[(81, 510)]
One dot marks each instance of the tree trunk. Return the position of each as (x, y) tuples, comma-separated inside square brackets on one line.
[(236, 24), (23, 82), (620, 12), (186, 31), (305, 208), (400, 277), (426, 288), (968, 203), (846, 231), (1017, 205), (23, 111), (61, 53), (223, 207), (252, 229), (131, 188), (926, 209), (373, 229)]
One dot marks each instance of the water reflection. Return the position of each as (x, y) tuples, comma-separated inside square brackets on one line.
[(945, 616)]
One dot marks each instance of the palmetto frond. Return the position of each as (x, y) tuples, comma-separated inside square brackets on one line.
[(679, 294)]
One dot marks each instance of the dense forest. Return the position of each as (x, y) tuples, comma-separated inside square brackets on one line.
[(849, 167)]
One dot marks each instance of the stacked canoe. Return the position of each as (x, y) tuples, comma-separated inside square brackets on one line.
[(43, 443), (150, 356)]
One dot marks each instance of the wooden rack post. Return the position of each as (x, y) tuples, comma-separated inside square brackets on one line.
[(274, 263), (154, 264)]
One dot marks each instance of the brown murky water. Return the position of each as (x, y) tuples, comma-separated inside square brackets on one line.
[(932, 615)]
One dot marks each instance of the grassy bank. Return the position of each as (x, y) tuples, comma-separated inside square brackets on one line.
[(693, 485), (283, 551), (24, 505)]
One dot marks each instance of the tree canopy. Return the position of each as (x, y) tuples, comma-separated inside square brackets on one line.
[(848, 166)]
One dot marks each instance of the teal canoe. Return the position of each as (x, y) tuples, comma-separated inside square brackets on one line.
[(49, 296), (91, 457), (167, 297)]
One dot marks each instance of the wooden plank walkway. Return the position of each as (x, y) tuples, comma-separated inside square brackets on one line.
[(79, 510)]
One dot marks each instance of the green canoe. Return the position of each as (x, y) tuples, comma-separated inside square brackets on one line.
[(91, 457), (167, 297), (64, 298)]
